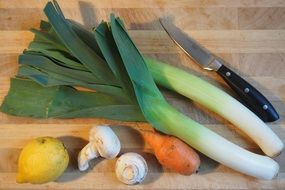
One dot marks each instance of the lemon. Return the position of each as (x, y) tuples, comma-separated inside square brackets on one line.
[(42, 160)]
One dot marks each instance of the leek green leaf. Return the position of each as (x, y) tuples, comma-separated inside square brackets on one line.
[(86, 36), (27, 98), (123, 112), (45, 26), (47, 79), (45, 37), (149, 98), (108, 47), (57, 56), (76, 46), (42, 62)]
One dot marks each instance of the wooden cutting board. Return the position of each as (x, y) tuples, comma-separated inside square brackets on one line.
[(249, 34)]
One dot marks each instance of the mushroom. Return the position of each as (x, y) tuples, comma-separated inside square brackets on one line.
[(131, 168), (102, 142), (107, 143)]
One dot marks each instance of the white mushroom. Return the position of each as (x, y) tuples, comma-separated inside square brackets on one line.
[(107, 142), (131, 168), (103, 142)]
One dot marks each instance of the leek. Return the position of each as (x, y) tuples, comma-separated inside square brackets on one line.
[(165, 118)]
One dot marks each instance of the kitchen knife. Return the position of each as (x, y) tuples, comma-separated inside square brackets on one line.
[(250, 96)]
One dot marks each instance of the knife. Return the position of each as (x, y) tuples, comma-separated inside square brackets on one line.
[(250, 96)]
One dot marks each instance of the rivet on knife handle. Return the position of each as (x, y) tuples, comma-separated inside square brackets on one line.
[(255, 101)]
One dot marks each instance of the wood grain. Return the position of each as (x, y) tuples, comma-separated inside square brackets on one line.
[(146, 3), (248, 34), (218, 41), (197, 18), (261, 18)]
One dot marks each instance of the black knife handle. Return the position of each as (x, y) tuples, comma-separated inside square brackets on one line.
[(251, 97)]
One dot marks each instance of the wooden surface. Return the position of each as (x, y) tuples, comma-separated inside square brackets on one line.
[(249, 34)]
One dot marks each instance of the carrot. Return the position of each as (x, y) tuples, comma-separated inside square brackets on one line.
[(173, 153)]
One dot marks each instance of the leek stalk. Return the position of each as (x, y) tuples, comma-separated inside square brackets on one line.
[(165, 118), (217, 101)]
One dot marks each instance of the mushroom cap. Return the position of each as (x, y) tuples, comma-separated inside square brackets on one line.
[(131, 168), (107, 143)]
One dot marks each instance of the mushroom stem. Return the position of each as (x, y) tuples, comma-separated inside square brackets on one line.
[(88, 153)]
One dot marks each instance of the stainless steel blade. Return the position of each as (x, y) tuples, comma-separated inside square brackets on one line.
[(201, 55)]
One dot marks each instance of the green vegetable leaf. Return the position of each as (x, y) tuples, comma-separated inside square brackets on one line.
[(107, 45), (150, 100), (27, 98), (86, 36), (45, 63), (44, 78), (123, 112), (48, 78), (44, 37), (77, 46), (57, 56), (45, 26)]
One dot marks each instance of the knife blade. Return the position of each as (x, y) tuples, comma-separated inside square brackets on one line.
[(249, 95)]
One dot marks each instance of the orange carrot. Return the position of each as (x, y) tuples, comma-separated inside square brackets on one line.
[(173, 153)]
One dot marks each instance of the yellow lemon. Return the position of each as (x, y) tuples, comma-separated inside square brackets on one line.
[(42, 160)]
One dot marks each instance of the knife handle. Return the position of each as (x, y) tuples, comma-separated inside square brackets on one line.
[(251, 97)]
